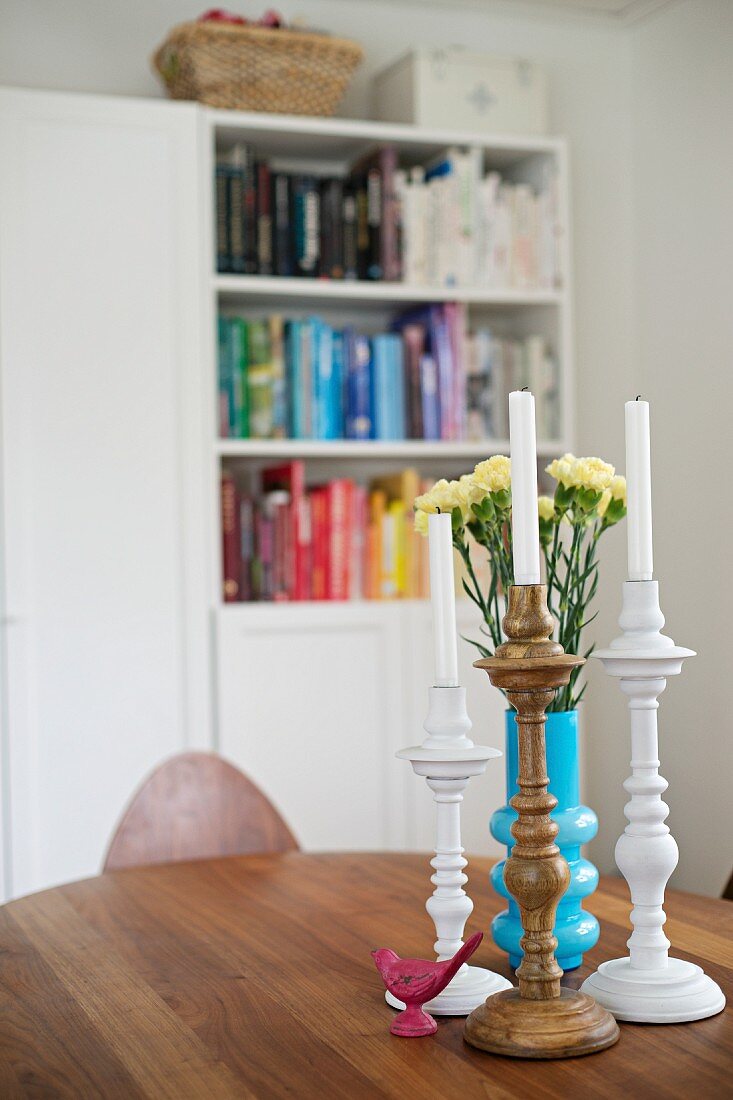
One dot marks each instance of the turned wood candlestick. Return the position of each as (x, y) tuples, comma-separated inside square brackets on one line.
[(540, 1019)]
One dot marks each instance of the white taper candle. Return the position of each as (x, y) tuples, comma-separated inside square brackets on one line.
[(525, 518), (443, 599), (639, 491)]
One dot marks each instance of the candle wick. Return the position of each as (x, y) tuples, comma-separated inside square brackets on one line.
[(638, 397), (524, 389)]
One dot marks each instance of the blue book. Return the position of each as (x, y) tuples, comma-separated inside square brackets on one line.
[(325, 383), (293, 372), (358, 386), (388, 387), (337, 387), (397, 387), (430, 398), (225, 383)]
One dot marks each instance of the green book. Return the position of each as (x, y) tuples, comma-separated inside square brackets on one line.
[(239, 372), (260, 379)]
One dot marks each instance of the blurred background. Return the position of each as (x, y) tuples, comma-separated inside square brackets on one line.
[(119, 646)]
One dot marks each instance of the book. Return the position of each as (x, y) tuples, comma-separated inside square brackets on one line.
[(320, 544), (306, 225), (226, 395), (239, 416), (338, 505), (221, 191), (259, 380), (349, 231), (280, 389), (430, 398), (263, 214), (283, 261), (231, 550), (332, 229), (358, 371), (246, 546), (413, 336)]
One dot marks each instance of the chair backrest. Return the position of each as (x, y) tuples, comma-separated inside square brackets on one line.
[(196, 806)]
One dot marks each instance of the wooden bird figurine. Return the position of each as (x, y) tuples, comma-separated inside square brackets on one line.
[(417, 981)]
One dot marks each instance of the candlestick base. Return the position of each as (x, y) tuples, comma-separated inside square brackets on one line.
[(563, 1027), (674, 994), (469, 989)]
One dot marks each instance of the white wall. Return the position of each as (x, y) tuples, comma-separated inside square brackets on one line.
[(683, 266)]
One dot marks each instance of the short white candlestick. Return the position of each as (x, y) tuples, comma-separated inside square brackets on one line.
[(648, 986), (447, 759)]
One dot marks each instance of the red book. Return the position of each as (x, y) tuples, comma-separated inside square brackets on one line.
[(290, 477), (339, 537), (320, 550), (231, 539)]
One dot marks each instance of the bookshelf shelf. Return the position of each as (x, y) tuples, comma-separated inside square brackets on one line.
[(369, 450), (343, 138), (275, 289), (328, 148)]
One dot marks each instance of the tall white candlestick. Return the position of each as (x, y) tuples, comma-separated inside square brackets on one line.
[(443, 598), (639, 491), (525, 518)]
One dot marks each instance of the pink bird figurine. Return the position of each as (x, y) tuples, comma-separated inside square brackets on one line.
[(416, 981)]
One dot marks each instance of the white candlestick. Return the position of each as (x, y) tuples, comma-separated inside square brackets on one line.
[(639, 491), (443, 597), (525, 518)]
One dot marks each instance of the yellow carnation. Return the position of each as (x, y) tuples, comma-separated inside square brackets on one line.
[(494, 474), (604, 502), (468, 493), (421, 522), (592, 473), (618, 488), (546, 507), (443, 497), (562, 469)]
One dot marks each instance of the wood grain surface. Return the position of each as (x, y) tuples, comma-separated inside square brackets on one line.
[(251, 977)]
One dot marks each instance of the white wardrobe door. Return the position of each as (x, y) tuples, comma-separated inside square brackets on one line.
[(100, 343)]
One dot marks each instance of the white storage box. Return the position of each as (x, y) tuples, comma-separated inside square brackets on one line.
[(458, 89)]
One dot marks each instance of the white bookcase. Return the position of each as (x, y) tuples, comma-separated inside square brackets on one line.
[(314, 698), (116, 649)]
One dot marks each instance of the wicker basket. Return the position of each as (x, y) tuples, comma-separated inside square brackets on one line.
[(256, 68)]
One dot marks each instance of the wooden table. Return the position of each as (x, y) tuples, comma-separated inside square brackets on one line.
[(252, 977)]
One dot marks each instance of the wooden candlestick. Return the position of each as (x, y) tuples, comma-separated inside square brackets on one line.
[(540, 1019)]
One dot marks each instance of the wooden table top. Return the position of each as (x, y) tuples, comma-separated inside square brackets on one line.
[(251, 977)]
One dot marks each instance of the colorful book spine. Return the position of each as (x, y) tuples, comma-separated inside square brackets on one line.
[(332, 236), (231, 551), (306, 225), (339, 538), (238, 375), (222, 218), (263, 206), (259, 380), (349, 230), (430, 398), (280, 413), (414, 341), (281, 212), (358, 367)]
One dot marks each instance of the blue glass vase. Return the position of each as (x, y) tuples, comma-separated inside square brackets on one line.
[(576, 930)]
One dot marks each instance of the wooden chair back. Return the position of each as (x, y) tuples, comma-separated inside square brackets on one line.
[(196, 806)]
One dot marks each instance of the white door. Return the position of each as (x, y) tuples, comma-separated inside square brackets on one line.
[(104, 601)]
